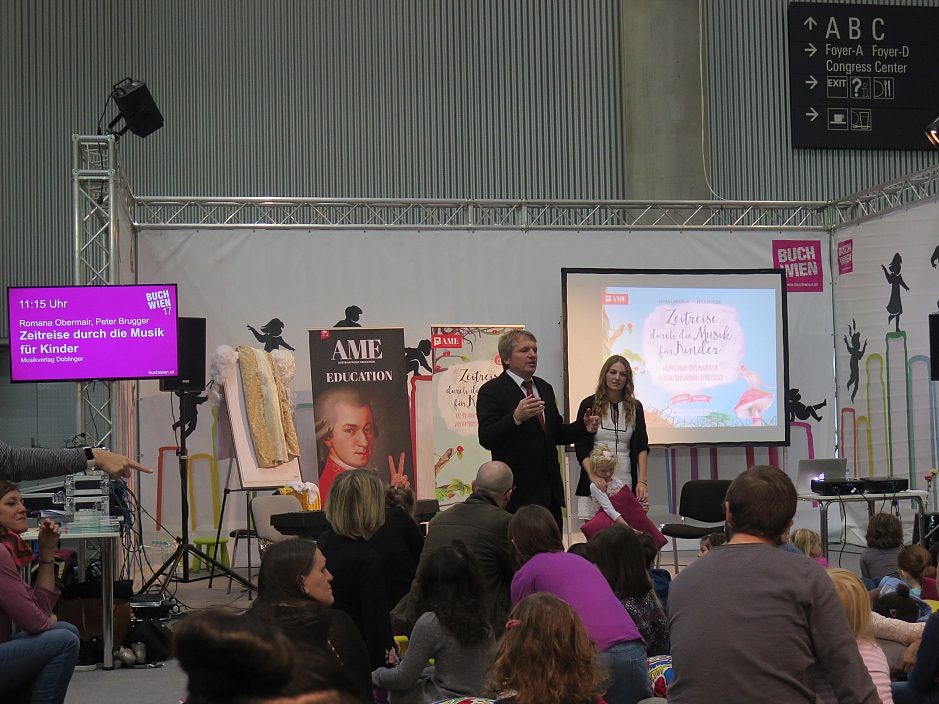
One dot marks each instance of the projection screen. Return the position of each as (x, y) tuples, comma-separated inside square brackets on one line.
[(708, 349)]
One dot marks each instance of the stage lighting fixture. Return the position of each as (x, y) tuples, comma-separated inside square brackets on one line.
[(138, 110), (932, 132)]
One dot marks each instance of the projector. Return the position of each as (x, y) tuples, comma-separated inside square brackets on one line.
[(885, 485), (836, 487)]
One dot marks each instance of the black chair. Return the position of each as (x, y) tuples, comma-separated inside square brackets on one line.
[(701, 500)]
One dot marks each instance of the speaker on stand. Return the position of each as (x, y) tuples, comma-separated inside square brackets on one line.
[(187, 386)]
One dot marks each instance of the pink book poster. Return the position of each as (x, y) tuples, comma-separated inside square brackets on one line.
[(464, 358), (360, 403)]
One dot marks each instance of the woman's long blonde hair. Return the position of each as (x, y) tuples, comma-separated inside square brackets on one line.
[(601, 404)]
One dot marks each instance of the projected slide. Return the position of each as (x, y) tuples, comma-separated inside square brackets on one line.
[(69, 333), (707, 349)]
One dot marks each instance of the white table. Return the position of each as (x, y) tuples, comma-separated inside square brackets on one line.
[(107, 538), (919, 497)]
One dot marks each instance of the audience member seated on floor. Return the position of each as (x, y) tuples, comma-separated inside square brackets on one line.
[(42, 654), (480, 522), (617, 553), (884, 541), (545, 567), (579, 549), (661, 578), (546, 655), (453, 632), (399, 541), (711, 540), (783, 543), (231, 659), (809, 543), (921, 685), (355, 509), (897, 605), (767, 616), (856, 604), (294, 593), (891, 585), (912, 565)]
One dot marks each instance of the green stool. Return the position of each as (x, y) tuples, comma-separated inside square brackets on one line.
[(207, 545)]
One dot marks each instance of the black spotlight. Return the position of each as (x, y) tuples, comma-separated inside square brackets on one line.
[(932, 132), (140, 114)]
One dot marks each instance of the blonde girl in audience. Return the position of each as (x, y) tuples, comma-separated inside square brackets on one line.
[(810, 543), (546, 656), (857, 607)]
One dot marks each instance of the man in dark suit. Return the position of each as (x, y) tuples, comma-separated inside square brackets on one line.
[(520, 424)]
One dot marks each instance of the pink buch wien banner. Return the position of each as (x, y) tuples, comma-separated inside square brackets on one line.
[(465, 358), (802, 262), (845, 257)]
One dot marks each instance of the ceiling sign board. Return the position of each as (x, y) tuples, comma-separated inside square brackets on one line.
[(862, 76)]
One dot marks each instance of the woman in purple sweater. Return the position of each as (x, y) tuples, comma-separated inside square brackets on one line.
[(545, 567), (42, 655)]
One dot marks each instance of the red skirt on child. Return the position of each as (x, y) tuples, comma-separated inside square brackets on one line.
[(628, 506)]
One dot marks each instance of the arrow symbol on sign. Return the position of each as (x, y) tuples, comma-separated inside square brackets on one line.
[(811, 50), (810, 23), (811, 114), (811, 83)]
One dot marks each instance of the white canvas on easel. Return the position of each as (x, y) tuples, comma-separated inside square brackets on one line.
[(253, 476)]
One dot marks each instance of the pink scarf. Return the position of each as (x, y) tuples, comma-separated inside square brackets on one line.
[(21, 552)]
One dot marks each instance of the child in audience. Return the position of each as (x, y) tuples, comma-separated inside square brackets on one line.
[(661, 579), (810, 543), (912, 563), (897, 603), (616, 503), (545, 656), (856, 603), (452, 632), (617, 553), (711, 540), (884, 541), (579, 549)]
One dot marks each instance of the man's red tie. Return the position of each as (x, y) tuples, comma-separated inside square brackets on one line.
[(529, 392)]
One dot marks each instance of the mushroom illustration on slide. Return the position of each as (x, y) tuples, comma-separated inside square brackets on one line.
[(754, 400), (753, 403)]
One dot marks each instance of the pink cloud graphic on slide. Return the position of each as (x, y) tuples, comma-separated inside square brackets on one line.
[(692, 346)]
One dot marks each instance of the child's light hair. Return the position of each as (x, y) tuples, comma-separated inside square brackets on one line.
[(602, 459), (805, 539), (854, 599)]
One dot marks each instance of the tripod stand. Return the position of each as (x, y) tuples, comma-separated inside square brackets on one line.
[(184, 548)]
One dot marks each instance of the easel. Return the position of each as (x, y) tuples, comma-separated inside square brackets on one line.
[(221, 521), (234, 443)]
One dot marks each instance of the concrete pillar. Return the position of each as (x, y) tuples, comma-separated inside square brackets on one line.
[(661, 51)]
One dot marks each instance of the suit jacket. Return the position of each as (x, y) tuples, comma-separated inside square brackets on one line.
[(530, 452)]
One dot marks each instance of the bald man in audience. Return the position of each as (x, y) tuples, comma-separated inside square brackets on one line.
[(481, 522)]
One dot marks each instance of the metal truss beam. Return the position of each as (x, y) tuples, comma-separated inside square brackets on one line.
[(97, 181), (312, 213)]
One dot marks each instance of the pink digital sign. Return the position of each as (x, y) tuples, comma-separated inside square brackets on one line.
[(70, 333)]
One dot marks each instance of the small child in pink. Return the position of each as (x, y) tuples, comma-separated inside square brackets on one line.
[(617, 504)]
